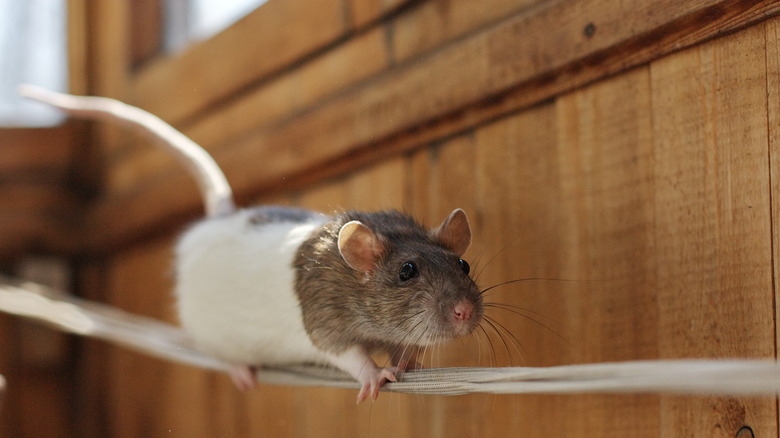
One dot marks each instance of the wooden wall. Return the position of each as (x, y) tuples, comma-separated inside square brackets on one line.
[(631, 147)]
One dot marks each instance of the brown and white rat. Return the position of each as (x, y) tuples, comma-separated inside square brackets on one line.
[(279, 285)]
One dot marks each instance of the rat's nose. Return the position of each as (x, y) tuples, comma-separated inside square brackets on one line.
[(462, 310)]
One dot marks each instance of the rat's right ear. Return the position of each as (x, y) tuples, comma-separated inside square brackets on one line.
[(359, 246), (454, 233)]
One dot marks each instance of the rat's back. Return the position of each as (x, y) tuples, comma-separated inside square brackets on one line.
[(235, 285)]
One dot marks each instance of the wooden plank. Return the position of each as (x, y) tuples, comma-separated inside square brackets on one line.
[(364, 13), (43, 393), (773, 122), (108, 63), (86, 165), (518, 189), (36, 197), (193, 80), (520, 182), (47, 152), (330, 197), (147, 27), (35, 364), (605, 240), (484, 64), (90, 282), (713, 224), (39, 216), (342, 67), (280, 98), (606, 160), (556, 191), (378, 187), (109, 59), (376, 120), (434, 23), (11, 413), (78, 57), (138, 282)]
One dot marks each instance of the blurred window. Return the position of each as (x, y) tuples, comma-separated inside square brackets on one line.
[(33, 50), (190, 21)]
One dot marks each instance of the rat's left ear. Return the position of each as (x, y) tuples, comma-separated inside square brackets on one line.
[(454, 233), (359, 246)]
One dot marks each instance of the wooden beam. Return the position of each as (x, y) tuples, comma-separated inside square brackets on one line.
[(37, 200), (536, 55), (44, 151), (147, 28), (274, 36)]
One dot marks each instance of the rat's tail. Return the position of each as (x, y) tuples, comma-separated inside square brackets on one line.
[(217, 195)]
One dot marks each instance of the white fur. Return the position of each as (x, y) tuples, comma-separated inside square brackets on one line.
[(235, 290)]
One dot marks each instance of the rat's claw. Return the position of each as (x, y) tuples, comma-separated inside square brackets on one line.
[(371, 382), (243, 377)]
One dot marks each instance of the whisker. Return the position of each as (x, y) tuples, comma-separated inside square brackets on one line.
[(478, 343), (493, 357), (386, 338), (434, 346), (514, 341), (424, 355), (504, 248), (521, 280), (425, 329), (505, 308), (516, 308), (439, 345), (407, 335), (479, 346), (477, 264), (503, 341)]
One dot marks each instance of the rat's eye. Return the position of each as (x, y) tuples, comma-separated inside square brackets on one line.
[(408, 271), (464, 265)]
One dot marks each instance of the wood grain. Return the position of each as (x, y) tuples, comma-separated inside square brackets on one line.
[(147, 26), (773, 121), (605, 177), (713, 220), (435, 23), (189, 82), (138, 282), (365, 12), (375, 120), (49, 150), (37, 202), (638, 159), (281, 98)]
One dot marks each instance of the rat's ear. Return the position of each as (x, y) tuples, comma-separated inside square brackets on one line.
[(359, 246), (454, 233)]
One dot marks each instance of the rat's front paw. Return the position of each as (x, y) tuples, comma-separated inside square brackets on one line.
[(372, 380), (243, 377)]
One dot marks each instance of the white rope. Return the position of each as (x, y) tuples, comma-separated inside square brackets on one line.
[(154, 338)]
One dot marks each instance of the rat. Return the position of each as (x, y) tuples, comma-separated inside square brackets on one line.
[(272, 285)]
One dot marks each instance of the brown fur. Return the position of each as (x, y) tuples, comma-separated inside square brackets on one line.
[(343, 307)]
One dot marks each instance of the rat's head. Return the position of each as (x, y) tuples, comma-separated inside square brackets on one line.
[(424, 292)]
